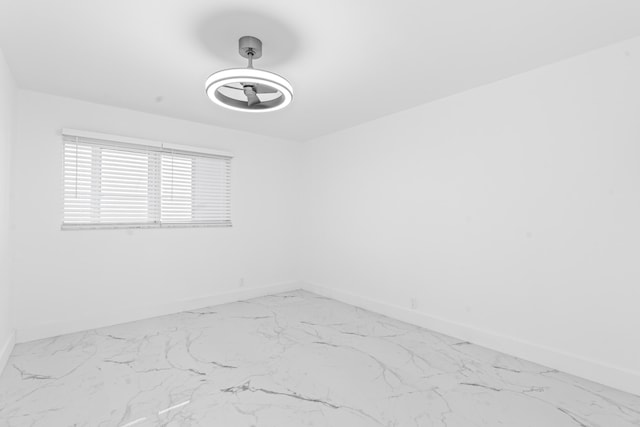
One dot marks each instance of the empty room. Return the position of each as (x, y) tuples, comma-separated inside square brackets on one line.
[(418, 213)]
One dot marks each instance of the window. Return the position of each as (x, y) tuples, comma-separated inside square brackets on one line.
[(122, 182)]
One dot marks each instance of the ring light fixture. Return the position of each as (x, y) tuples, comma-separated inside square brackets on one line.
[(249, 89)]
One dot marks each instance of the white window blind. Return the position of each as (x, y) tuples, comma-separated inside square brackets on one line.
[(120, 182)]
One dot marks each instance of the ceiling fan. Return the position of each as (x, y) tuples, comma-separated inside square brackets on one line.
[(249, 89)]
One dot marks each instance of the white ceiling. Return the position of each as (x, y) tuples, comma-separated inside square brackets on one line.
[(349, 61)]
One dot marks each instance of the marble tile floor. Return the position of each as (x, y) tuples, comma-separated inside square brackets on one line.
[(290, 360)]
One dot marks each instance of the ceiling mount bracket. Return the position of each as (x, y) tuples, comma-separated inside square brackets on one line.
[(250, 46)]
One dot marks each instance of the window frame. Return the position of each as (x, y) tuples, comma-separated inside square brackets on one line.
[(102, 139)]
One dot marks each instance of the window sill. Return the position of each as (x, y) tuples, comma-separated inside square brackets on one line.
[(73, 227)]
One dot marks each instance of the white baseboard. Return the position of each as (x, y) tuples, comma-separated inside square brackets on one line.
[(5, 350), (114, 317), (599, 372)]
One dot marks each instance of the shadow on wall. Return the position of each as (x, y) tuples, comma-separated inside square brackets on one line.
[(219, 34)]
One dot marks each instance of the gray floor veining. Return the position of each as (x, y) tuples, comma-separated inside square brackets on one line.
[(290, 360)]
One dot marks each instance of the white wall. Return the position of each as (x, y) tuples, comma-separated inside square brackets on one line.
[(7, 97), (66, 280), (514, 207)]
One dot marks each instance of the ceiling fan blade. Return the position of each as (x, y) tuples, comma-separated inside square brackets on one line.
[(252, 98), (264, 89), (232, 87)]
